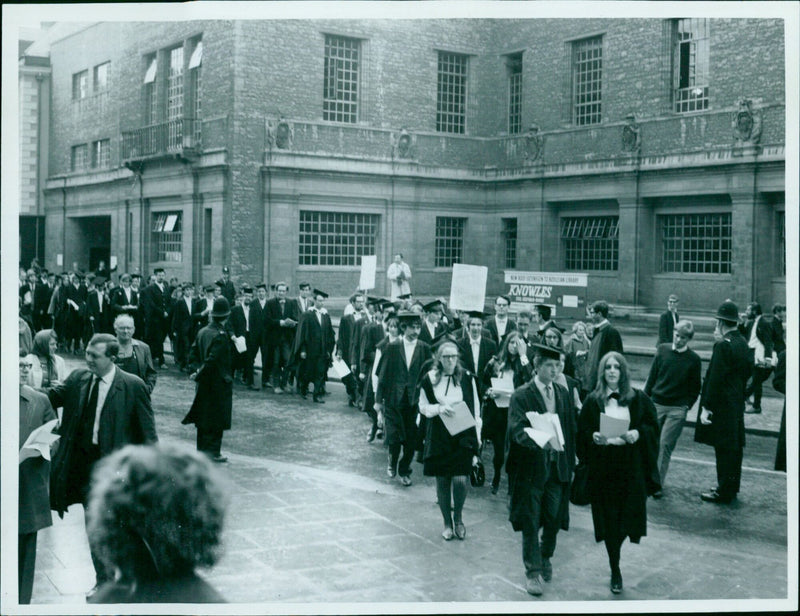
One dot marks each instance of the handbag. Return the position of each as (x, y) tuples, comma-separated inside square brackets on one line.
[(579, 490), (477, 475)]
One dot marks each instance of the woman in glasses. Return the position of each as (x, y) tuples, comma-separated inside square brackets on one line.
[(449, 457)]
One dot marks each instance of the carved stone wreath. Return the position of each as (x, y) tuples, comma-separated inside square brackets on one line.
[(746, 123), (631, 135), (284, 135), (403, 144), (533, 143)]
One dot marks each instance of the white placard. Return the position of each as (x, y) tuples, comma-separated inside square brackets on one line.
[(369, 264), (569, 301), (468, 287), (60, 259), (112, 262)]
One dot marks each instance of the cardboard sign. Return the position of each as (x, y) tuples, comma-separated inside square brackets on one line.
[(468, 287), (563, 292), (113, 262), (368, 266)]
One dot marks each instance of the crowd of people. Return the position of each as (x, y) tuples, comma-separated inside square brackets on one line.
[(437, 386)]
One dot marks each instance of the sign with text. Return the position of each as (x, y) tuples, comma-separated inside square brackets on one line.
[(468, 287), (369, 263), (564, 292)]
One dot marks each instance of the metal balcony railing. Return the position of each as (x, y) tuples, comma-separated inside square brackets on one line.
[(172, 137)]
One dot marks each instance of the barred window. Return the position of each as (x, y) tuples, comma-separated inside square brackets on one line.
[(696, 243), (781, 243), (451, 93), (101, 153), (80, 85), (690, 64), (590, 243), (336, 238), (101, 77), (340, 84), (510, 237), (196, 77), (587, 80), (79, 157), (514, 64), (167, 236), (175, 98), (449, 240)]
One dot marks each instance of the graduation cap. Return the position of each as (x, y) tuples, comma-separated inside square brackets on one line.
[(219, 283), (99, 280), (431, 306), (442, 338), (272, 287), (247, 289), (137, 276), (261, 285), (474, 314), (407, 316), (547, 352), (404, 296), (322, 294), (209, 288), (375, 301), (187, 285)]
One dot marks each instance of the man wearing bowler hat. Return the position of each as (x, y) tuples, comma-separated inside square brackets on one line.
[(211, 361), (722, 398)]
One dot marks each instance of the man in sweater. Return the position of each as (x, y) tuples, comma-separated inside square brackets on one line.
[(606, 339), (673, 386)]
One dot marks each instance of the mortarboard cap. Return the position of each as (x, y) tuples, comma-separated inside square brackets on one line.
[(442, 338), (208, 288), (407, 316), (98, 280), (219, 283), (431, 306), (474, 314), (247, 289), (261, 285), (318, 293), (404, 296), (547, 352), (374, 301)]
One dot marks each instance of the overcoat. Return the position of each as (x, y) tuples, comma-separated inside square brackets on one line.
[(34, 473), (723, 393), (211, 356), (624, 475), (526, 462)]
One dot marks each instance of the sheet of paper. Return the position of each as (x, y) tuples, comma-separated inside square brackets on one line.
[(468, 287), (374, 375), (460, 420), (39, 441), (539, 437), (340, 367), (611, 427), (112, 262), (369, 264), (241, 344), (569, 301), (559, 433), (504, 387)]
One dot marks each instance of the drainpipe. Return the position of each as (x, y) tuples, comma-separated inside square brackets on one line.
[(64, 222), (39, 80)]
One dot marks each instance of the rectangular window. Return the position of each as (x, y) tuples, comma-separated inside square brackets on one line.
[(101, 154), (781, 243), (151, 90), (510, 237), (207, 236), (101, 77), (80, 85), (336, 238), (167, 236), (590, 243), (79, 158), (340, 80), (449, 243), (175, 98), (196, 77), (514, 66), (451, 93), (690, 64), (129, 238), (696, 243), (587, 80)]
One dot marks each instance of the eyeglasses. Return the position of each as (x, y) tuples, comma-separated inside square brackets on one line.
[(449, 356), (25, 365)]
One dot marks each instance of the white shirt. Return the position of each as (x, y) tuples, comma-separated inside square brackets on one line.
[(188, 301), (127, 294), (100, 301), (446, 391), (409, 348), (431, 328), (501, 326), (547, 393), (246, 310), (102, 391), (476, 351), (613, 409)]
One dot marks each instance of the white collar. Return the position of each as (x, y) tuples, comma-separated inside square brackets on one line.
[(683, 350), (109, 376)]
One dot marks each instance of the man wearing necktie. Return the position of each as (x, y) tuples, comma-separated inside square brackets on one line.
[(281, 322), (313, 347), (476, 349), (539, 477), (105, 408), (242, 323)]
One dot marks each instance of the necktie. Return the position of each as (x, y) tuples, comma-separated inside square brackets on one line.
[(90, 410), (549, 392), (614, 395), (283, 305)]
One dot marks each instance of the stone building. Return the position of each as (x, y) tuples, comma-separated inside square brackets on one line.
[(646, 153)]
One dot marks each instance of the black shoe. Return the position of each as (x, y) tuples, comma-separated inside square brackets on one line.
[(616, 582), (371, 434), (714, 497), (219, 459), (319, 400), (496, 487), (756, 410), (547, 570)]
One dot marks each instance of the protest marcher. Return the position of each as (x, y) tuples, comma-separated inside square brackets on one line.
[(399, 273), (499, 325)]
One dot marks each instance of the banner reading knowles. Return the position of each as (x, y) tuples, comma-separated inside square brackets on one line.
[(564, 292)]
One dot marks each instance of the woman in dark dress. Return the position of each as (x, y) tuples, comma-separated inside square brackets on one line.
[(511, 362), (155, 513), (622, 470), (448, 457)]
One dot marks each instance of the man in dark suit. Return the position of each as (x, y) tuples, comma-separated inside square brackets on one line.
[(778, 325), (668, 321), (344, 345), (105, 408), (211, 360), (542, 317), (313, 347), (500, 325), (241, 321), (399, 373), (97, 308), (227, 290), (75, 295), (34, 480), (201, 312), (721, 421), (182, 326), (259, 309), (304, 299), (757, 333), (432, 326), (281, 319), (606, 339), (40, 294), (155, 306), (124, 299), (539, 477), (476, 349)]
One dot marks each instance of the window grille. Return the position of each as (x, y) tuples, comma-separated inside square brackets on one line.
[(80, 85), (451, 93), (101, 154), (79, 158), (514, 64), (690, 64), (590, 243), (449, 241), (175, 98), (167, 236), (696, 243), (587, 80), (510, 237), (101, 77), (336, 238), (340, 83)]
